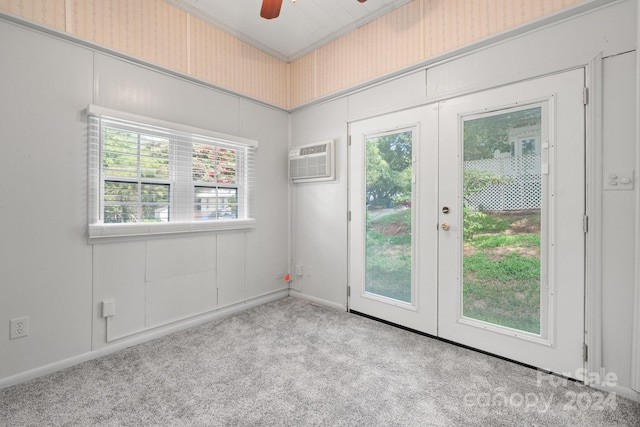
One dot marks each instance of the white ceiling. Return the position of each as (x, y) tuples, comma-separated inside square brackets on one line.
[(301, 27)]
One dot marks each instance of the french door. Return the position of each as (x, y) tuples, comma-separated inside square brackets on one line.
[(467, 220), (393, 255)]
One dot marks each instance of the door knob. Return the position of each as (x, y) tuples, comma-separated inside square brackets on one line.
[(445, 226)]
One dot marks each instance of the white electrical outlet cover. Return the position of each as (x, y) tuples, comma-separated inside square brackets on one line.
[(19, 327)]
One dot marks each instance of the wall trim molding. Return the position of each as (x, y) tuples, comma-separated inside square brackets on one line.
[(635, 339), (326, 303), (473, 47), (619, 390), (567, 13), (181, 4), (143, 337), (593, 239), (97, 48)]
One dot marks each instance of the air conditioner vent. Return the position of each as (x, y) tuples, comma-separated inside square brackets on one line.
[(313, 162)]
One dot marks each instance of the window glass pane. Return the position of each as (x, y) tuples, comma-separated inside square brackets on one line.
[(120, 191), (204, 163), (155, 213), (227, 203), (154, 157), (205, 203), (215, 203), (502, 227), (155, 202), (388, 263), (226, 166), (120, 214), (214, 164), (120, 153), (124, 204), (156, 193), (120, 202), (528, 147)]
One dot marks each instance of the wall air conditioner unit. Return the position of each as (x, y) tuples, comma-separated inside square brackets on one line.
[(312, 162)]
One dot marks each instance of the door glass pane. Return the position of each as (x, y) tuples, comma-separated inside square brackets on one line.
[(503, 218), (388, 217)]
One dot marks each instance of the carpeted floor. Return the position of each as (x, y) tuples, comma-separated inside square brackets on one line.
[(292, 363)]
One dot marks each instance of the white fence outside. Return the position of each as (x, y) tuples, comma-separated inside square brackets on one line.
[(522, 188)]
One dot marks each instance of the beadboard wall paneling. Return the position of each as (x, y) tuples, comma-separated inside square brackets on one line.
[(262, 76), (303, 80), (384, 45), (163, 34), (48, 12), (217, 57), (148, 29), (450, 24), (414, 32)]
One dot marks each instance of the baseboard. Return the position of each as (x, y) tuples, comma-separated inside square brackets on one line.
[(297, 294), (142, 337), (621, 391)]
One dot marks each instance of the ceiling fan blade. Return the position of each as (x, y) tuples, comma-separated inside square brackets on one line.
[(270, 9), (362, 1)]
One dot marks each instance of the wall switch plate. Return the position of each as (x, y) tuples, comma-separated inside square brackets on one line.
[(618, 180), (19, 327)]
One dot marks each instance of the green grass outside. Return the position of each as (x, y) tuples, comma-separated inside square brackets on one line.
[(501, 271), (388, 256)]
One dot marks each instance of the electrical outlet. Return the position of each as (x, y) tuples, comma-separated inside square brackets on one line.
[(19, 327), (108, 308)]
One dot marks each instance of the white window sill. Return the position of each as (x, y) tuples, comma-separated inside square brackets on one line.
[(108, 232)]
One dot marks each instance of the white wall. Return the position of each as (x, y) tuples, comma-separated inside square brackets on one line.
[(49, 270), (618, 215), (51, 274), (45, 263), (319, 211), (609, 31)]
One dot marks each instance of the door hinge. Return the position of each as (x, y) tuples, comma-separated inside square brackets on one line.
[(585, 95), (585, 352), (348, 215), (585, 224), (349, 140), (348, 291)]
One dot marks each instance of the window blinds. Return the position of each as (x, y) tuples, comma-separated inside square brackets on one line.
[(148, 176)]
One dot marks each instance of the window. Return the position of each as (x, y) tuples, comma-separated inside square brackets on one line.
[(152, 177), (215, 174), (528, 146)]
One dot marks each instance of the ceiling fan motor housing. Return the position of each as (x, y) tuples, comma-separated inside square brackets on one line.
[(271, 8)]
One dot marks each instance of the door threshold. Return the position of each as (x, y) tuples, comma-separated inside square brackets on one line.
[(424, 334)]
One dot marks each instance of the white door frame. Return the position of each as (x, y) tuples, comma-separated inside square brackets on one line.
[(421, 313), (635, 351), (593, 243), (594, 178), (560, 96)]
